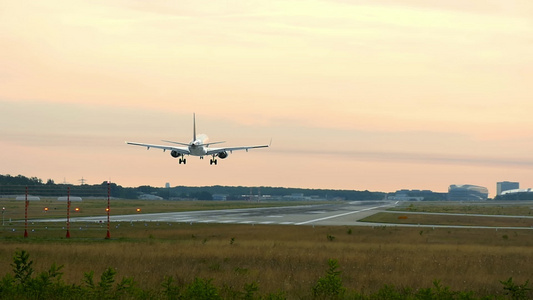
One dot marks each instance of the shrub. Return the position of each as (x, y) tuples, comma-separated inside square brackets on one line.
[(516, 291), (169, 289), (22, 267), (201, 289), (331, 284)]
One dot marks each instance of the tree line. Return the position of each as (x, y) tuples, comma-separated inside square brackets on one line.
[(14, 185)]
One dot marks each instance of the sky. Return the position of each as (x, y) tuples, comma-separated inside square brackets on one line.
[(361, 95)]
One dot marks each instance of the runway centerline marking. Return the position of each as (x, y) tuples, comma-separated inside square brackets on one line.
[(340, 215)]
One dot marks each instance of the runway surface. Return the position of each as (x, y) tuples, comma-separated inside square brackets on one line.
[(324, 214), (345, 214)]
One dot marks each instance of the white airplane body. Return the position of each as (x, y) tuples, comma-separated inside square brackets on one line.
[(199, 146)]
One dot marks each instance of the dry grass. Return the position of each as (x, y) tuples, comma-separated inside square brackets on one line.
[(287, 258)]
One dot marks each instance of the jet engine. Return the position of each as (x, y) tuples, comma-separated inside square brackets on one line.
[(222, 155), (175, 154)]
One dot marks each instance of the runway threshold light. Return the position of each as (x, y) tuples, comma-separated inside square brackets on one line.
[(46, 209), (138, 210), (77, 209)]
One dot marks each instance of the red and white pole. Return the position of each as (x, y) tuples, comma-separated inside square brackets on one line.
[(68, 212), (26, 214), (108, 235)]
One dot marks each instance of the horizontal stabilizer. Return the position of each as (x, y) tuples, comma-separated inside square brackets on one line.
[(213, 143), (184, 144), (178, 143)]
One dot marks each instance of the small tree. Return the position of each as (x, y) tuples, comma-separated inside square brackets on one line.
[(331, 284), (22, 267), (516, 291)]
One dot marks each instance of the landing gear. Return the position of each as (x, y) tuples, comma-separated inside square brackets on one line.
[(183, 161), (213, 161)]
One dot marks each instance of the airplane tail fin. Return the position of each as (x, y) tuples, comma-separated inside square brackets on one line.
[(194, 126)]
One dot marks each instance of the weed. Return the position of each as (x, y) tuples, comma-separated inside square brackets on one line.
[(214, 267), (249, 290), (201, 289), (169, 289), (516, 291), (241, 271), (392, 293)]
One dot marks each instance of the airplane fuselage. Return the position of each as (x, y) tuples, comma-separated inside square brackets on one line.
[(197, 147)]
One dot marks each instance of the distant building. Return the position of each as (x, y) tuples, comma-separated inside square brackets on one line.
[(406, 195), (149, 197), (467, 192), (220, 197), (29, 198), (515, 191), (417, 195), (167, 185), (506, 186)]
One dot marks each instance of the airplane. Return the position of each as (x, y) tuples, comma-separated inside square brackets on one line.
[(199, 146)]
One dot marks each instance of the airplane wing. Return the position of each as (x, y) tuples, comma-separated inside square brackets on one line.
[(211, 151), (180, 150)]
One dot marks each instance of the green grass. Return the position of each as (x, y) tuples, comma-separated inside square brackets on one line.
[(96, 207), (432, 219), (485, 208)]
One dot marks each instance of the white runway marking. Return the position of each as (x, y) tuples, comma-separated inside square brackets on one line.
[(339, 215)]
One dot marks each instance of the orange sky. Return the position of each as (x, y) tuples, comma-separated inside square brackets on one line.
[(377, 95)]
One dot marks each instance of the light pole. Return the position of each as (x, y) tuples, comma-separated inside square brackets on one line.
[(3, 211)]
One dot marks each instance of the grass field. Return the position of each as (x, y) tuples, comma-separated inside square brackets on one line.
[(281, 258), (96, 207), (460, 220), (485, 207)]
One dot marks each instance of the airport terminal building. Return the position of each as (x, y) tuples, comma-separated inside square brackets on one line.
[(506, 186), (467, 192)]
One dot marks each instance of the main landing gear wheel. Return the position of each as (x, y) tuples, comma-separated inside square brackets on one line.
[(213, 161), (182, 161)]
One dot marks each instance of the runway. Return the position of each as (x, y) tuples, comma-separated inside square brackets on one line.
[(344, 214), (324, 214)]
